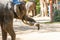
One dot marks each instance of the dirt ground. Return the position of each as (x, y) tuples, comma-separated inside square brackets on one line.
[(49, 31)]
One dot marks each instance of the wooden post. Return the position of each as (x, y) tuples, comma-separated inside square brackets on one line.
[(51, 10), (57, 3)]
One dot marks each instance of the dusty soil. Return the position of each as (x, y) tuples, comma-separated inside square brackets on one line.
[(49, 31)]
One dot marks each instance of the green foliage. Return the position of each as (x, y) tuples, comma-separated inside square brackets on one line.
[(36, 1), (37, 6), (38, 9), (57, 16)]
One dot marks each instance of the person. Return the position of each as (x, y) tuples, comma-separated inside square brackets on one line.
[(16, 2)]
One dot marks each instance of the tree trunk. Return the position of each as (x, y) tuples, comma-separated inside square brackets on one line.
[(42, 6), (45, 8)]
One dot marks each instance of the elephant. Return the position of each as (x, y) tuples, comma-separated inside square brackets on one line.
[(6, 22), (31, 7), (7, 14)]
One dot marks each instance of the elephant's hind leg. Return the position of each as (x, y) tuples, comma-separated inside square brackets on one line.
[(4, 33)]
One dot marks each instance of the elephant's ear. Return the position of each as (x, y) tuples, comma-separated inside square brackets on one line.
[(17, 11)]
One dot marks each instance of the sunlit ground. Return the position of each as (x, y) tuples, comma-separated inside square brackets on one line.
[(26, 32)]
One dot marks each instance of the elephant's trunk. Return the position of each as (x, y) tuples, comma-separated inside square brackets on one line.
[(30, 21)]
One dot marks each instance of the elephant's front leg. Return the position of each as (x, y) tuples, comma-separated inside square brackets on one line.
[(8, 26), (10, 30)]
